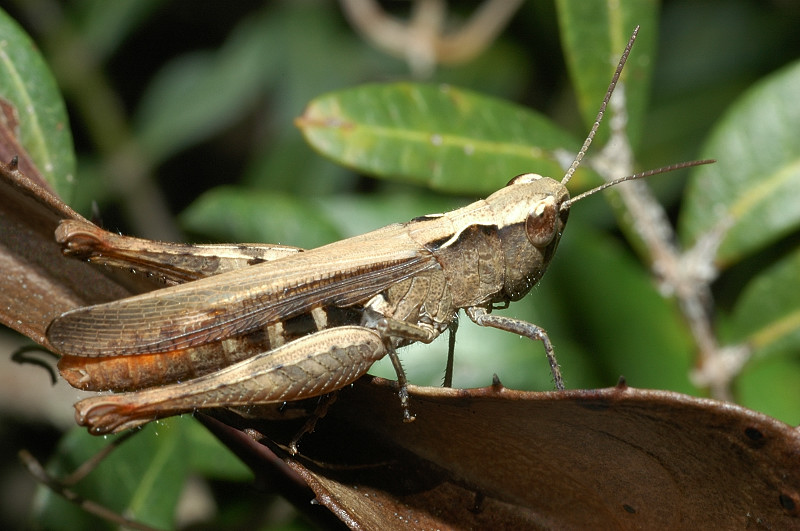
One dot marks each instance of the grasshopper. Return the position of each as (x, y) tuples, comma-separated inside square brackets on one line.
[(302, 323)]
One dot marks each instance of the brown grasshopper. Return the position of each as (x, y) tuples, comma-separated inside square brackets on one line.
[(299, 324)]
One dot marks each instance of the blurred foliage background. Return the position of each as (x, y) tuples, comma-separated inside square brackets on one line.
[(182, 115)]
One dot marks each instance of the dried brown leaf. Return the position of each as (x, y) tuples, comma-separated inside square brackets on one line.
[(495, 458), (38, 283)]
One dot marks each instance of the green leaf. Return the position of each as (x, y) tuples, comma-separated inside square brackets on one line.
[(771, 385), (104, 26), (767, 315), (615, 311), (201, 93), (27, 83), (210, 458), (287, 165), (594, 35), (440, 136), (237, 214), (142, 479), (370, 212), (756, 181)]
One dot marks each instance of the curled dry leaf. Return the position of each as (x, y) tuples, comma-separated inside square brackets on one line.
[(38, 283), (493, 458)]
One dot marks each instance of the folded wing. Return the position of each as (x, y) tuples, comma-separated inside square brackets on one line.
[(211, 309)]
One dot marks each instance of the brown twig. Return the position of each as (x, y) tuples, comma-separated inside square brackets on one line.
[(424, 41), (60, 488), (684, 274)]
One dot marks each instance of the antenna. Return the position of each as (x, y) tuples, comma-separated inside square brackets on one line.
[(601, 112), (586, 143), (665, 169)]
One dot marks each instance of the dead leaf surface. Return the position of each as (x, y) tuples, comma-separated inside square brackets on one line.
[(495, 458), (38, 282)]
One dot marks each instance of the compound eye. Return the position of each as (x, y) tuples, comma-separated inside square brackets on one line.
[(541, 225)]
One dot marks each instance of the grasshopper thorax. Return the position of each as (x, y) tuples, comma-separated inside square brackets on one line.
[(531, 224)]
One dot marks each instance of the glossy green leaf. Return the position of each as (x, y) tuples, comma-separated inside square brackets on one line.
[(755, 183), (440, 136), (767, 315), (594, 35), (27, 83), (307, 37), (142, 479)]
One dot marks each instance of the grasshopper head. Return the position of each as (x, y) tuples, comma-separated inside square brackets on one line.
[(532, 222), (533, 212)]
